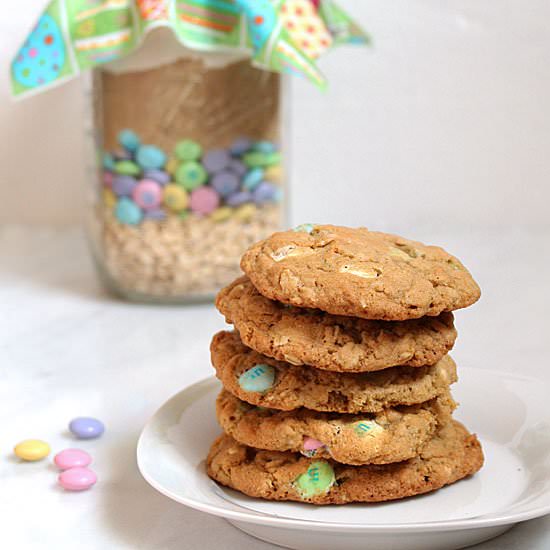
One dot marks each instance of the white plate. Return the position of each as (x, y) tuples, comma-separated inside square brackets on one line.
[(509, 413)]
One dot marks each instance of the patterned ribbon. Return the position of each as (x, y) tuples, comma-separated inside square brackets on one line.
[(280, 35)]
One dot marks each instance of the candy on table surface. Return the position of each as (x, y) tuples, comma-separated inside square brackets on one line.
[(109, 198), (245, 212), (155, 214), (204, 200), (127, 168), (264, 147), (31, 450), (225, 183), (221, 214), (258, 378), (160, 176), (108, 161), (256, 158), (129, 140), (86, 427), (77, 479), (123, 186), (240, 146), (237, 167), (107, 178), (175, 197), (188, 149), (253, 178), (72, 458), (216, 160), (172, 165), (147, 194), (150, 157), (264, 192), (191, 175), (238, 198)]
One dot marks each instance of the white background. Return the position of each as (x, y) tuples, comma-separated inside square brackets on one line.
[(441, 132), (445, 121)]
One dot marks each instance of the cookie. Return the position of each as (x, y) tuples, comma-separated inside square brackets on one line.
[(451, 455), (393, 435), (303, 336), (359, 273), (266, 382)]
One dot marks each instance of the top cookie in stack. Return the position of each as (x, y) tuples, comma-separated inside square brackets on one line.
[(339, 354)]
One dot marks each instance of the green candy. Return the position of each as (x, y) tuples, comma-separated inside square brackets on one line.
[(258, 378), (257, 159), (188, 150), (191, 175), (127, 168), (318, 479), (304, 228)]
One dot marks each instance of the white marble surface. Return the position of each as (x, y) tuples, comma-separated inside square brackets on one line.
[(67, 349)]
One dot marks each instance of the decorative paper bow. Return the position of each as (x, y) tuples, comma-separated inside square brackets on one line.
[(282, 35)]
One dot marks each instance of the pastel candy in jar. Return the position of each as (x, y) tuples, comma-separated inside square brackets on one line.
[(150, 157), (129, 140), (240, 146), (252, 179), (188, 150), (216, 160), (160, 176), (191, 175), (239, 198), (123, 186), (204, 200), (127, 211), (147, 194), (225, 183)]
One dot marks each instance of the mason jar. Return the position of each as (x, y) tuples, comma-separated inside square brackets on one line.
[(187, 168)]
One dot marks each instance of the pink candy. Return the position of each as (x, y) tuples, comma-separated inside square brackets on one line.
[(204, 200), (147, 194), (77, 479), (72, 458), (311, 444)]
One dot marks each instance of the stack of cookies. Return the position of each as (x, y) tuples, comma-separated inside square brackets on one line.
[(336, 378)]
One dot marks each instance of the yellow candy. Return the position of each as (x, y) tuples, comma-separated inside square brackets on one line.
[(172, 165), (245, 212), (32, 449), (109, 198), (221, 214), (274, 173), (175, 197)]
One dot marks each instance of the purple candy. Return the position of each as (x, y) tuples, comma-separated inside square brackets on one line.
[(264, 192), (238, 167), (123, 186), (155, 214), (216, 160), (240, 146), (239, 198), (225, 183), (160, 176)]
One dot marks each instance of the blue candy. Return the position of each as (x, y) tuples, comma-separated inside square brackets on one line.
[(252, 179), (265, 147), (129, 140), (108, 162), (259, 378), (240, 146), (127, 211), (150, 157)]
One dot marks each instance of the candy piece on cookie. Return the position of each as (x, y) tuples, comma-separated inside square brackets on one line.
[(359, 273)]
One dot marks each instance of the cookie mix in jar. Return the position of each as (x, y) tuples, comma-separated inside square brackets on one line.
[(185, 104)]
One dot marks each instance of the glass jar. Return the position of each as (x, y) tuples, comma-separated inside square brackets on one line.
[(186, 170)]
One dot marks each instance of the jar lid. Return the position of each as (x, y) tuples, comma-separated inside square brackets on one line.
[(278, 35)]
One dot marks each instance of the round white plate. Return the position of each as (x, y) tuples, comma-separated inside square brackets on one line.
[(510, 414)]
